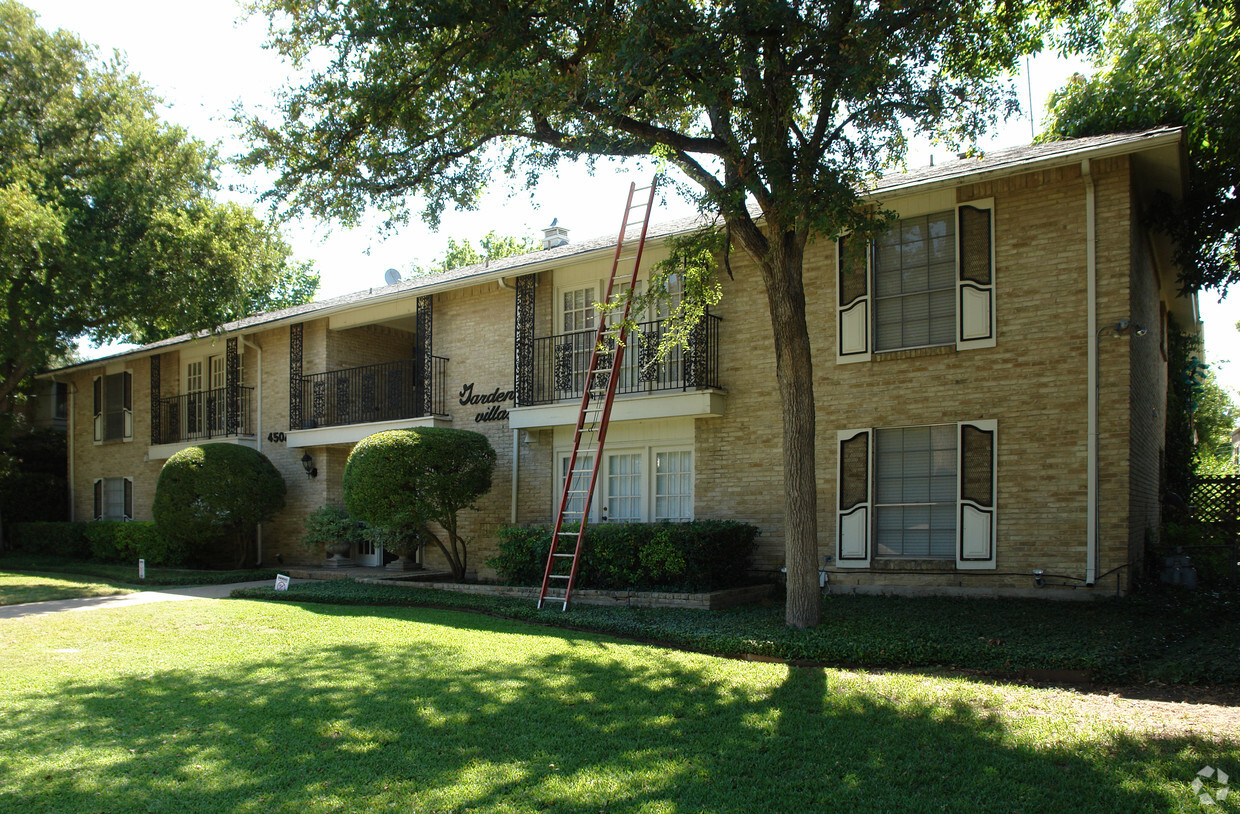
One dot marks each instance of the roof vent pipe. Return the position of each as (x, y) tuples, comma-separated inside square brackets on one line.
[(554, 236)]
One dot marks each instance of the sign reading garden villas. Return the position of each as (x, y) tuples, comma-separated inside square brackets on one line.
[(494, 398)]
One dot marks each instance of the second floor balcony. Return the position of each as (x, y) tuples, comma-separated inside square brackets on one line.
[(203, 416), (389, 391), (558, 364)]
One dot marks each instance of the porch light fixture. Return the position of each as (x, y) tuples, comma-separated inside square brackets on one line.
[(307, 463), (1124, 326)]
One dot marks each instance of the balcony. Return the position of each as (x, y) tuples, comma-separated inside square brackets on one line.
[(371, 398), (557, 365), (203, 416)]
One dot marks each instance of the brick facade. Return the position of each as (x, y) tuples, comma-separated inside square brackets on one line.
[(1034, 383)]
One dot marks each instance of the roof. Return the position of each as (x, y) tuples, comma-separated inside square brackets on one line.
[(996, 162)]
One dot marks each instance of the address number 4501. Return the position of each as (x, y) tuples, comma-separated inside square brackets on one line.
[(276, 437)]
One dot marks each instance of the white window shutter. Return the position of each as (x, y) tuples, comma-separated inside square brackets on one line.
[(975, 275), (853, 299), (977, 474), (853, 521)]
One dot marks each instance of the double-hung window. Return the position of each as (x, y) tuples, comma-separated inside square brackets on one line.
[(928, 282), (925, 493), (113, 407), (113, 499)]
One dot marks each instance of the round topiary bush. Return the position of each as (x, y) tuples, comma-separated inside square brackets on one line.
[(402, 480), (210, 498)]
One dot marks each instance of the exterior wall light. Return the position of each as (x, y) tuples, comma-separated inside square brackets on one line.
[(307, 463)]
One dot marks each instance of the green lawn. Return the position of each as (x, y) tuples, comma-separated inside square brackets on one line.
[(242, 706), (32, 587)]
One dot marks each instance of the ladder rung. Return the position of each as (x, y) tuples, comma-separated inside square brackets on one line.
[(558, 554), (560, 576)]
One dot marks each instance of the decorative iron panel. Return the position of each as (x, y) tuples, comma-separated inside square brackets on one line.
[(156, 418), (295, 412), (523, 364), (423, 353), (232, 387), (563, 376)]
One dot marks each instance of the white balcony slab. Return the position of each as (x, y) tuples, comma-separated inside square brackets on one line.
[(162, 452), (677, 404), (352, 433)]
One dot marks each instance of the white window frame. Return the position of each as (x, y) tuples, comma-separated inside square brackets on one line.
[(647, 452), (99, 387), (975, 303)]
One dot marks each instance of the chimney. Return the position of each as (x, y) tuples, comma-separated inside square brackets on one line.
[(554, 236)]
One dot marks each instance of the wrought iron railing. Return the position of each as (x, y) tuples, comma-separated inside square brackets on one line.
[(382, 392), (204, 415), (560, 362)]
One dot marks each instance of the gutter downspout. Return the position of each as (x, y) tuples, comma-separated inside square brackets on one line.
[(258, 426), (1091, 332)]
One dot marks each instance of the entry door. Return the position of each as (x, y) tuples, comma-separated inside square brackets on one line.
[(218, 383), (368, 553)]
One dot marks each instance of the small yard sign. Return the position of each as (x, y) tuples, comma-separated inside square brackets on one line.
[(281, 582), (141, 569)]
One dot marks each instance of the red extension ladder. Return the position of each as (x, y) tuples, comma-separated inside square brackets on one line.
[(595, 413)]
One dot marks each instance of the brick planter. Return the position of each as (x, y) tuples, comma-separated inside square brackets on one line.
[(714, 600)]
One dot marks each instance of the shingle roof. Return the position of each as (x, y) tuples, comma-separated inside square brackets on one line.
[(993, 162)]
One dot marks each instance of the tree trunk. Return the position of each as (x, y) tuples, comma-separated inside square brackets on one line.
[(781, 271)]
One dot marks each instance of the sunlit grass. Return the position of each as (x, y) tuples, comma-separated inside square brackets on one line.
[(256, 707), (18, 588)]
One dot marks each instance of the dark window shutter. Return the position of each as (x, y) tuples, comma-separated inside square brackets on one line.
[(98, 395), (128, 499), (128, 390), (98, 514)]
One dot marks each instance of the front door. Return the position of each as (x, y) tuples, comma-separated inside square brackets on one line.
[(368, 553)]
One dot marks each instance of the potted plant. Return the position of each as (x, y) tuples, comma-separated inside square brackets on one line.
[(330, 527)]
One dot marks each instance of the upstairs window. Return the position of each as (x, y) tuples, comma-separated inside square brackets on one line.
[(113, 407)]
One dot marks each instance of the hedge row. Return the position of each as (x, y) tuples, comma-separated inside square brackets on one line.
[(101, 540), (701, 555)]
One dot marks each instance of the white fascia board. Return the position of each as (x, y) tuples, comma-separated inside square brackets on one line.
[(352, 433), (692, 404), (162, 452)]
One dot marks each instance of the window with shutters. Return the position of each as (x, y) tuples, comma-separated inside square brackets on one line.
[(924, 492), (113, 499), (929, 282), (113, 407)]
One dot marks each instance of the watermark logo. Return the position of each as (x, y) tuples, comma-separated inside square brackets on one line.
[(1210, 786)]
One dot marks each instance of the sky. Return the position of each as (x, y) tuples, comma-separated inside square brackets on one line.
[(205, 59)]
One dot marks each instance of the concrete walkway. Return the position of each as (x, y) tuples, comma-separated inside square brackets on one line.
[(125, 600)]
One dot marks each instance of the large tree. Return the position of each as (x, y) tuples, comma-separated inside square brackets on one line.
[(1174, 62), (108, 227), (791, 105)]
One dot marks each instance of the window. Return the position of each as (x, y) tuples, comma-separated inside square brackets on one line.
[(579, 309), (915, 492), (113, 499), (629, 477), (918, 493), (673, 485), (928, 282), (113, 407)]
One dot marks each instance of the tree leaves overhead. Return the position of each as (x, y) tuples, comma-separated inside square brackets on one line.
[(107, 225), (1174, 62)]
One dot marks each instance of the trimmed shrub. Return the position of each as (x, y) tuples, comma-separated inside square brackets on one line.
[(701, 555), (209, 499), (54, 539), (398, 482), (127, 541)]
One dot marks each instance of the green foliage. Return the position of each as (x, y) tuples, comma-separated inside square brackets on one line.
[(55, 539), (127, 573), (208, 497), (701, 555), (1168, 637), (494, 246), (33, 487), (1200, 415), (327, 525), (1173, 62), (403, 480), (130, 541), (107, 224), (792, 108)]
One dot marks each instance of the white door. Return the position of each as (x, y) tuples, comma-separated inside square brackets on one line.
[(368, 553)]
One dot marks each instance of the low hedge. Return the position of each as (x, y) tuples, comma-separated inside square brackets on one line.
[(701, 555), (100, 540), (55, 539)]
